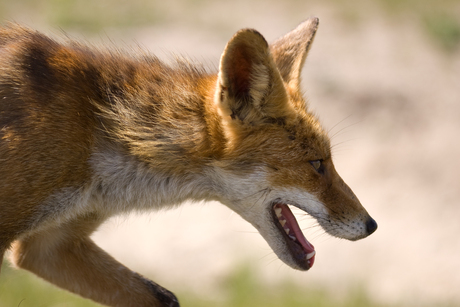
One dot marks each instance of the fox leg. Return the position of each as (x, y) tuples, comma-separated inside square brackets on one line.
[(2, 252), (68, 258)]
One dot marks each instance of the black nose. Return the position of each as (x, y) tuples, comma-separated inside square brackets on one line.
[(371, 225)]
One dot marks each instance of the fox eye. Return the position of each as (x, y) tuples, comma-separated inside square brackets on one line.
[(317, 164)]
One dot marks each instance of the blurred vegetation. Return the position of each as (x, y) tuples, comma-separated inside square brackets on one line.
[(240, 289), (445, 29), (439, 19), (243, 289), (19, 288), (84, 15)]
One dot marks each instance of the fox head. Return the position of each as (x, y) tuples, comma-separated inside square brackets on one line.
[(277, 154)]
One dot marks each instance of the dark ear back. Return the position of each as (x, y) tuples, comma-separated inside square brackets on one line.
[(244, 55), (249, 80), (290, 51)]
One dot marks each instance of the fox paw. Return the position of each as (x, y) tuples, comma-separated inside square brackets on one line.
[(164, 297)]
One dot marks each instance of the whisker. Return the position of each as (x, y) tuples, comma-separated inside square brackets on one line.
[(312, 227), (275, 258), (322, 237), (341, 121), (266, 255), (339, 146), (341, 131), (263, 194)]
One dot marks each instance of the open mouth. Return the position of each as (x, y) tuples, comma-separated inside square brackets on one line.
[(301, 250)]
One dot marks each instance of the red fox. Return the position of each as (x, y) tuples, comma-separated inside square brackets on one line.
[(86, 134)]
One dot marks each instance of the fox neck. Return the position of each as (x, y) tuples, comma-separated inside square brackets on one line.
[(170, 136), (172, 128)]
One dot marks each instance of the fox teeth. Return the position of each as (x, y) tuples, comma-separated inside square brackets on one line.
[(278, 212), (293, 238), (310, 255), (283, 222), (287, 230)]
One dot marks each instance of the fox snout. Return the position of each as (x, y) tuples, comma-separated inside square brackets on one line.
[(267, 124), (346, 218), (87, 134), (371, 226)]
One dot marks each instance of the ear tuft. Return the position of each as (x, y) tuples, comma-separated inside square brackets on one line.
[(290, 51)]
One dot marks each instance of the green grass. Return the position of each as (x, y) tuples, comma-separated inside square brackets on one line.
[(19, 288), (239, 289), (444, 28), (243, 289)]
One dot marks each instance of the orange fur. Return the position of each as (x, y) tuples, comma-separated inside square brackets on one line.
[(86, 134)]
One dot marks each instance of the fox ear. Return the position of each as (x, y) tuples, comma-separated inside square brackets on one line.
[(290, 51), (249, 85)]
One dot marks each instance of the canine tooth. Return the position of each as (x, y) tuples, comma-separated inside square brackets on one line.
[(283, 222), (287, 230), (278, 212), (310, 255), (293, 238)]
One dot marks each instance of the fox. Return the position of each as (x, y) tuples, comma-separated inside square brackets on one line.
[(88, 133)]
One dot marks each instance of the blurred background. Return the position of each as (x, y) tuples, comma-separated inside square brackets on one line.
[(384, 78)]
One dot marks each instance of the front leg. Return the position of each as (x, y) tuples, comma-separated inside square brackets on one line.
[(68, 258)]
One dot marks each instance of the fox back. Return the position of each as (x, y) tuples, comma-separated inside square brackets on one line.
[(87, 133)]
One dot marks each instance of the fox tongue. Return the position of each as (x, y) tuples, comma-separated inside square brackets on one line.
[(292, 228)]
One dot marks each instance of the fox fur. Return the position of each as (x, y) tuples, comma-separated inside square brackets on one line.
[(86, 134)]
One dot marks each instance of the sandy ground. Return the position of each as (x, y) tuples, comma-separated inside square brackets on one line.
[(390, 98)]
